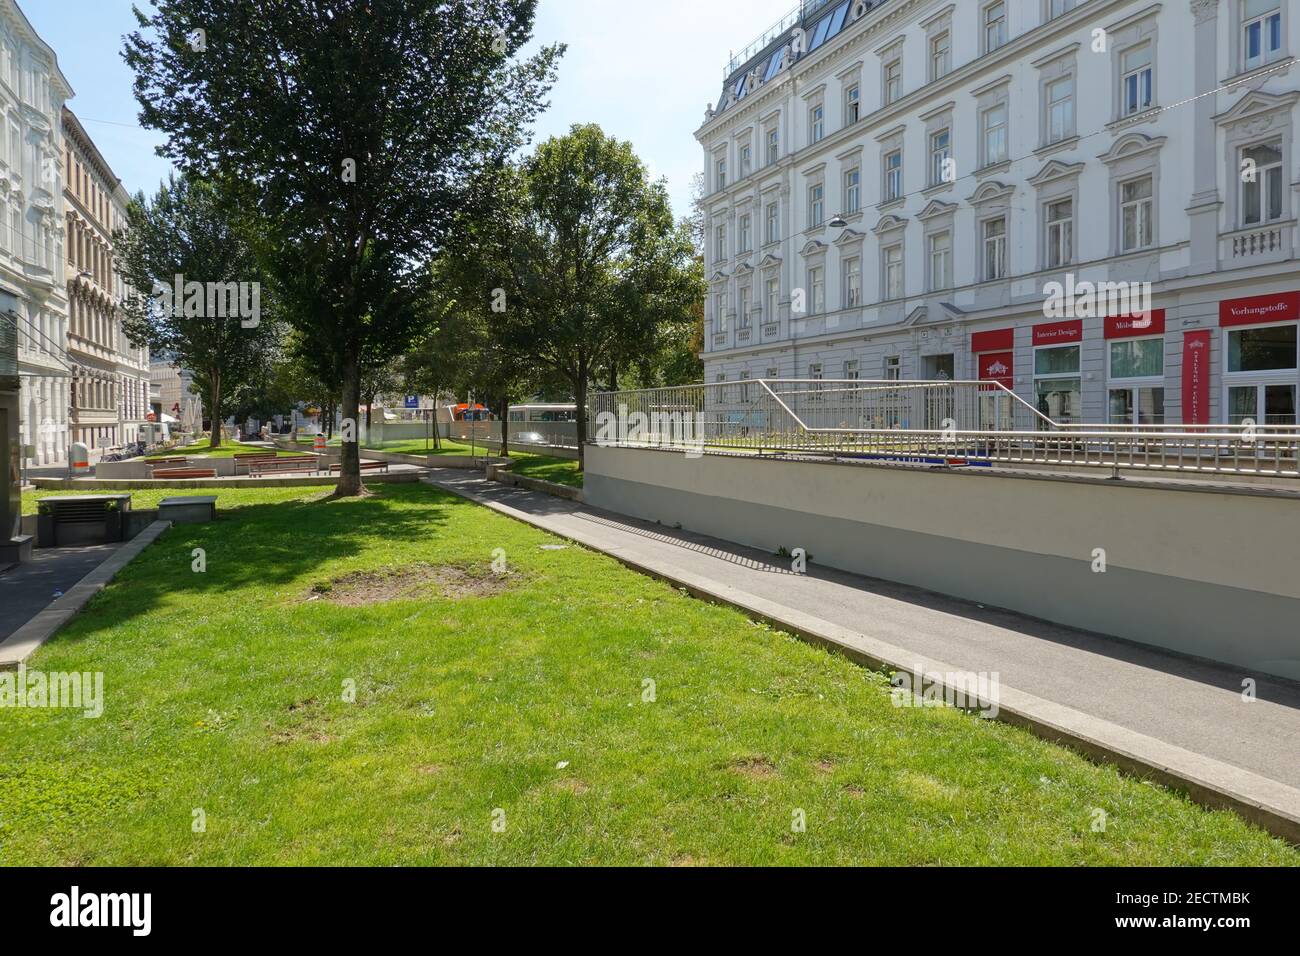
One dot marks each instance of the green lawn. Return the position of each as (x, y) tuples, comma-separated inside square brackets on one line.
[(546, 467), (226, 497), (528, 707), (226, 450), (559, 470)]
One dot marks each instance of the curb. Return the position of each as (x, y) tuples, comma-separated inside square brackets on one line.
[(22, 643), (1269, 804)]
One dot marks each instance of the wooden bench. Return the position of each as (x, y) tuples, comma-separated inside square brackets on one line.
[(252, 459), (365, 466), (179, 474), (291, 465)]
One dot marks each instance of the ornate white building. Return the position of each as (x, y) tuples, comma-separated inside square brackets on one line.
[(32, 93), (925, 189), (110, 384)]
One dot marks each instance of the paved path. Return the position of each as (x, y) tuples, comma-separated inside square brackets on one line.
[(1193, 706), (31, 587)]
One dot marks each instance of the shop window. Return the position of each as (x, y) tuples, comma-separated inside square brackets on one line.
[(1057, 384), (1266, 348)]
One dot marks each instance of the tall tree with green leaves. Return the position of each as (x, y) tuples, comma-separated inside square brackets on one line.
[(192, 229), (361, 128), (590, 263)]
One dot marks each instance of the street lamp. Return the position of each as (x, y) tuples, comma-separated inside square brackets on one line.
[(839, 222)]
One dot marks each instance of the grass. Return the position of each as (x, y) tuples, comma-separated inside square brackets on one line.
[(228, 692), (562, 471), (227, 498), (226, 450)]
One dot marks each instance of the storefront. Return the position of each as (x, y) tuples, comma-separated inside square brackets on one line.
[(1135, 369), (995, 361), (1260, 358), (1058, 379)]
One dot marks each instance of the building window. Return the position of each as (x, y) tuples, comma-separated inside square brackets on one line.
[(852, 104), (816, 124), (1136, 80), (815, 375), (894, 175), (940, 153), (743, 293), (893, 81), (940, 261), (720, 243), (773, 146), (1137, 394), (851, 372), (1261, 183), (1057, 7), (852, 283), (1060, 109), (995, 26), (1261, 32), (1057, 383), (1265, 348), (746, 160), (993, 121), (817, 290), (773, 373), (853, 190), (1136, 207), (722, 174), (746, 234), (940, 55), (720, 311), (773, 222), (816, 205), (893, 371), (994, 241), (1060, 233), (892, 269), (773, 304)]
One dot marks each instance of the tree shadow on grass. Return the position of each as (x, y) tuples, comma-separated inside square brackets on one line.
[(251, 552)]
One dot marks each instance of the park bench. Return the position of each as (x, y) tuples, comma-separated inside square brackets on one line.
[(179, 474), (253, 458), (291, 465), (365, 466)]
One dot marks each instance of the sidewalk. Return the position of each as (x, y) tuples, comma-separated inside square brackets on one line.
[(1181, 720)]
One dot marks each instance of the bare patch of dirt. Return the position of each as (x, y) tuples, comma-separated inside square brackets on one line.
[(572, 785), (756, 768), (856, 792), (824, 766), (364, 588)]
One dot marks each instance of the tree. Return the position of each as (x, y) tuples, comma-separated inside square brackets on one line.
[(362, 129), (191, 229), (591, 263)]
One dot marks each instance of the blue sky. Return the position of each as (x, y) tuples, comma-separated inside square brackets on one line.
[(642, 71)]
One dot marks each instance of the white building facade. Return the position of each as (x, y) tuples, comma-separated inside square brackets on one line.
[(1092, 201), (110, 383), (32, 93)]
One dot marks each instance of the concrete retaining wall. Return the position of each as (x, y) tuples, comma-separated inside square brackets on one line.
[(1205, 572), (295, 481)]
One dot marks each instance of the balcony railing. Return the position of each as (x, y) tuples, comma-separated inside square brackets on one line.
[(946, 424)]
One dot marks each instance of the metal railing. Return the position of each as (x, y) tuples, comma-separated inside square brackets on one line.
[(934, 423)]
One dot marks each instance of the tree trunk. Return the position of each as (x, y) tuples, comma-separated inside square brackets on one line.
[(580, 400), (350, 470), (503, 411), (214, 438), (370, 404)]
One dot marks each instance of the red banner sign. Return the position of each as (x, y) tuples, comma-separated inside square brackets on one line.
[(1059, 333), (1001, 340), (1196, 377), (1132, 326), (998, 367), (1258, 309)]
